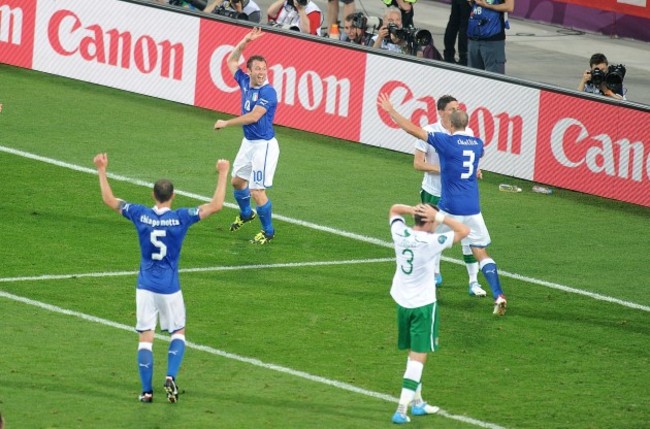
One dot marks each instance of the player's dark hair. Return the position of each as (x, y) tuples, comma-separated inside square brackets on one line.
[(419, 220), (597, 59), (249, 63), (163, 190), (442, 102)]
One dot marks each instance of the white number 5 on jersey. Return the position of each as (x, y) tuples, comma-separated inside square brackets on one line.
[(159, 244)]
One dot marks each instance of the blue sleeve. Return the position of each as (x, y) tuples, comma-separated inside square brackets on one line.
[(242, 79), (268, 97), (189, 216), (434, 140), (131, 211)]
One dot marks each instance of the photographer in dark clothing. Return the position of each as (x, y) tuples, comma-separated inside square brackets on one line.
[(603, 79)]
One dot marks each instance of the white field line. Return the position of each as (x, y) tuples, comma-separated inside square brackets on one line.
[(198, 270), (330, 230), (243, 359)]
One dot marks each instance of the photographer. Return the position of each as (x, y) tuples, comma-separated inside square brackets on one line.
[(356, 28), (303, 15), (246, 10), (388, 35), (603, 79), (392, 36), (238, 9)]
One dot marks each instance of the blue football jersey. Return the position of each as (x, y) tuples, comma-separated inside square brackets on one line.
[(459, 155), (161, 234), (264, 96)]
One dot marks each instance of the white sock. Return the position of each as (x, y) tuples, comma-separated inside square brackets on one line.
[(412, 377)]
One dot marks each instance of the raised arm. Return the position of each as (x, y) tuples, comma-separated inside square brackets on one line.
[(101, 162), (400, 210), (405, 124), (274, 9), (216, 204), (233, 58)]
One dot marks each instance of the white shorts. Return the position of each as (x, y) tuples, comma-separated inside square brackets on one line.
[(256, 162), (150, 305), (478, 236)]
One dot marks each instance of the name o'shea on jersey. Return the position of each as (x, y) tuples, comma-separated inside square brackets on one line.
[(467, 142)]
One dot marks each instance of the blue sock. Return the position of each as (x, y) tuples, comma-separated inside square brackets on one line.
[(243, 198), (175, 354), (489, 269), (264, 212), (145, 367)]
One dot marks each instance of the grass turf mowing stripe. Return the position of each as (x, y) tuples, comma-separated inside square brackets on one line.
[(323, 228)]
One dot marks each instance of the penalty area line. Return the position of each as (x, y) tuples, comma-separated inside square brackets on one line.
[(243, 359)]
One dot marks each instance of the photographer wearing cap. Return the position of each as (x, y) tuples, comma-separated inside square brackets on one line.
[(246, 10), (303, 15), (356, 28), (603, 79)]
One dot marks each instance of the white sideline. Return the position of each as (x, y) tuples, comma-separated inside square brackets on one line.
[(330, 230)]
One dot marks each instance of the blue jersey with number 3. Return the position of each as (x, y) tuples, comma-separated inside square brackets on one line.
[(459, 155), (161, 233), (263, 96)]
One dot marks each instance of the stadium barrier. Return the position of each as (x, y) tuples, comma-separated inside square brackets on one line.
[(532, 131)]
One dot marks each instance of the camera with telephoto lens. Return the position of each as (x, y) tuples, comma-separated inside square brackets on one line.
[(394, 30), (614, 78), (230, 13), (197, 4), (413, 36)]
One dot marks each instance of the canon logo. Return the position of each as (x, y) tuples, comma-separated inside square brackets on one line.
[(11, 25), (506, 130), (308, 89), (69, 36), (421, 111), (600, 154)]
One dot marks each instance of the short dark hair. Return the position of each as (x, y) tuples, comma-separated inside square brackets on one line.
[(249, 63), (598, 59), (443, 101), (163, 190), (419, 220)]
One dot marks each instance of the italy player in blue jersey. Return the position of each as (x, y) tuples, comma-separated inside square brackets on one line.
[(255, 164), (161, 231), (459, 155)]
